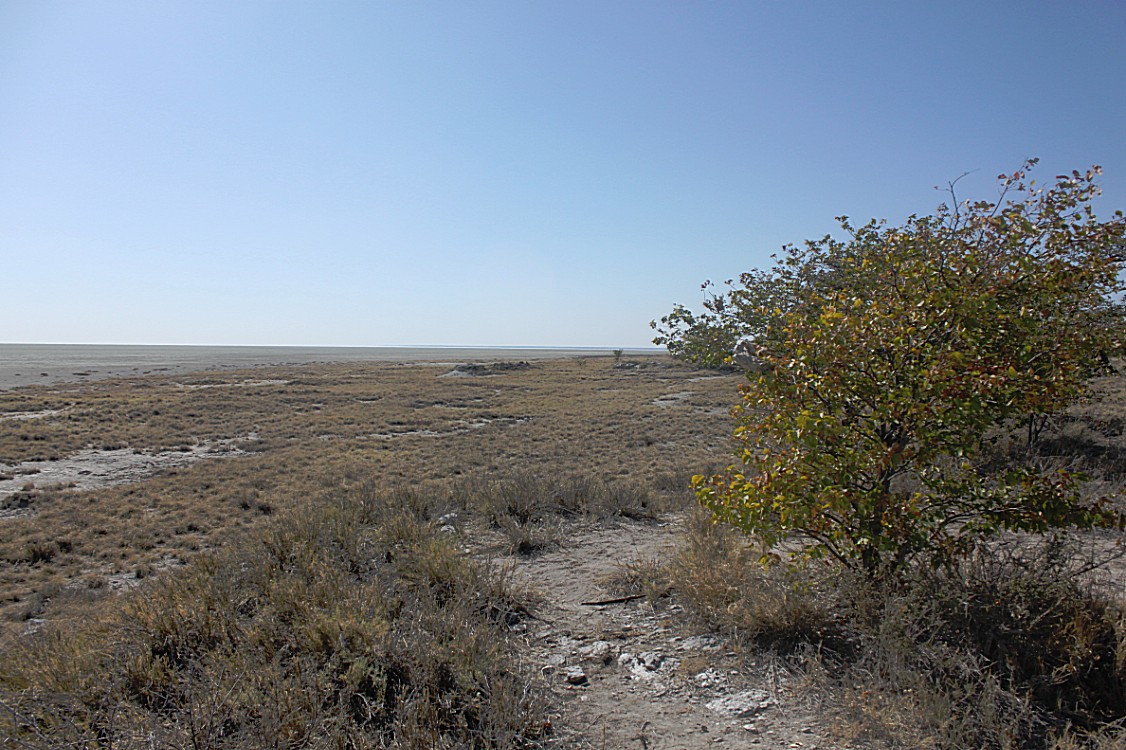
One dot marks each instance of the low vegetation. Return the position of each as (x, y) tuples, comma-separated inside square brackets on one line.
[(349, 624), (309, 433), (1018, 646), (332, 584)]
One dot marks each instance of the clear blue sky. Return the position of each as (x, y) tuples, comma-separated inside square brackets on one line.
[(497, 173)]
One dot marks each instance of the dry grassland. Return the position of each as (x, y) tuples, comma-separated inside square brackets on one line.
[(308, 432), (354, 517)]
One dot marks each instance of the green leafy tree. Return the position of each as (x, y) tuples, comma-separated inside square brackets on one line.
[(743, 312), (898, 350), (700, 338)]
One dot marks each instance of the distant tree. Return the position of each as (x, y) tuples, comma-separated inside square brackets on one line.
[(892, 355), (700, 338), (743, 312)]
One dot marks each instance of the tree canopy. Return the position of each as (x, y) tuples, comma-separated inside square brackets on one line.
[(894, 353)]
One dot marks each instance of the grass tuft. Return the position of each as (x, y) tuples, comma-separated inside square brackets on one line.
[(351, 624), (781, 607)]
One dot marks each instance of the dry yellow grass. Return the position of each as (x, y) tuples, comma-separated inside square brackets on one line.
[(331, 505), (310, 431)]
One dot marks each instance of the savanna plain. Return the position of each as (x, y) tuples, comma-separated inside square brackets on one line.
[(501, 554)]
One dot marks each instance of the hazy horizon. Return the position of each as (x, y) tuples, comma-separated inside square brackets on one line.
[(328, 346), (498, 173), (44, 364)]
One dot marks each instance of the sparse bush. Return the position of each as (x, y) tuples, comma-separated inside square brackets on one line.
[(40, 551), (719, 577), (528, 538), (1043, 631), (354, 625), (527, 498), (649, 578), (1010, 648), (1018, 645)]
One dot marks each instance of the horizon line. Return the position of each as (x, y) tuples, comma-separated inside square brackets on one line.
[(340, 346)]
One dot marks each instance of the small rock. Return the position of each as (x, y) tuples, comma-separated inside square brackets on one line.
[(708, 678), (575, 676), (570, 644), (651, 660), (601, 651), (647, 665), (745, 703), (635, 666), (447, 519), (700, 643)]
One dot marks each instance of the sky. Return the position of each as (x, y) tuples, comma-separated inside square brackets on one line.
[(488, 173)]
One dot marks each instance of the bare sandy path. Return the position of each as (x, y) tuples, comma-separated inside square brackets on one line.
[(634, 675)]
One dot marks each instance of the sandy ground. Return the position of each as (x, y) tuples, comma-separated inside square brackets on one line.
[(92, 468), (633, 675)]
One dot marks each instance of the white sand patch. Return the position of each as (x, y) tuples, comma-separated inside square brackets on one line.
[(479, 422), (412, 433), (672, 399), (21, 415), (92, 469), (462, 426), (239, 384)]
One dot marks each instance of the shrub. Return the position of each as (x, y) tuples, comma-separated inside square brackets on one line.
[(897, 350), (353, 624), (783, 607), (1010, 647)]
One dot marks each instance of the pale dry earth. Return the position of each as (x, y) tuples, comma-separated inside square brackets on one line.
[(93, 468), (635, 674), (51, 364)]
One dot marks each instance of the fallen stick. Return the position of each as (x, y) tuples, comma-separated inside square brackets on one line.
[(618, 600)]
